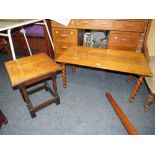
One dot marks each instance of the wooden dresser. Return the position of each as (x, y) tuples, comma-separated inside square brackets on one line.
[(63, 37), (123, 34)]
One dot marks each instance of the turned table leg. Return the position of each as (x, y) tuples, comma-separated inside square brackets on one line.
[(21, 92), (64, 75), (149, 101), (136, 88), (28, 102), (55, 89)]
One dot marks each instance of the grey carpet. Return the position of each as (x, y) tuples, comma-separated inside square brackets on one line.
[(84, 109)]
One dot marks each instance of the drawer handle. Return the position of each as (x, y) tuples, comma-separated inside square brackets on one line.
[(63, 35), (103, 24), (123, 39), (64, 47), (56, 32), (85, 22), (115, 37)]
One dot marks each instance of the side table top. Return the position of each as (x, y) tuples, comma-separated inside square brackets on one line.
[(29, 68)]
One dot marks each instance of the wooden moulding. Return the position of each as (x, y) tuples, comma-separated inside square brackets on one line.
[(124, 119)]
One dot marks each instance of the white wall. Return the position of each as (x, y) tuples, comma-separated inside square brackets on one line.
[(151, 39)]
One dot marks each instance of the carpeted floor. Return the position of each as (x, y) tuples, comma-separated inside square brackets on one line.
[(84, 109)]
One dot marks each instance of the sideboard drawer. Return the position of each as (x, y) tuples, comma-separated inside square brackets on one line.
[(64, 34), (103, 24), (130, 25), (123, 40), (83, 23), (60, 47)]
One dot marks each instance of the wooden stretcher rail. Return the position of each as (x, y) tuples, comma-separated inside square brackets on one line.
[(124, 119)]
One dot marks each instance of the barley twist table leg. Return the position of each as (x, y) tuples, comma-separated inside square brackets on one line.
[(136, 88), (55, 89), (54, 85), (21, 92), (149, 101), (28, 102), (64, 75)]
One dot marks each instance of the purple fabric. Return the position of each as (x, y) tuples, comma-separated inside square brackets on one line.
[(35, 30)]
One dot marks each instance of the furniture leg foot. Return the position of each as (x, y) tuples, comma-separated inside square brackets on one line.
[(136, 88), (33, 114), (64, 75), (57, 101), (149, 101)]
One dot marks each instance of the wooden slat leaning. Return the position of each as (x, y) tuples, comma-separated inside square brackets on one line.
[(124, 119)]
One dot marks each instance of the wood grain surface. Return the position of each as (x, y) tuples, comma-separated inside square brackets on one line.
[(31, 67), (108, 59)]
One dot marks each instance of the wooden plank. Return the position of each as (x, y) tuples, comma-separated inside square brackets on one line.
[(124, 119)]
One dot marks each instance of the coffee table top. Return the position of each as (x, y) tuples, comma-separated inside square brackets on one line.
[(108, 59), (29, 68)]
